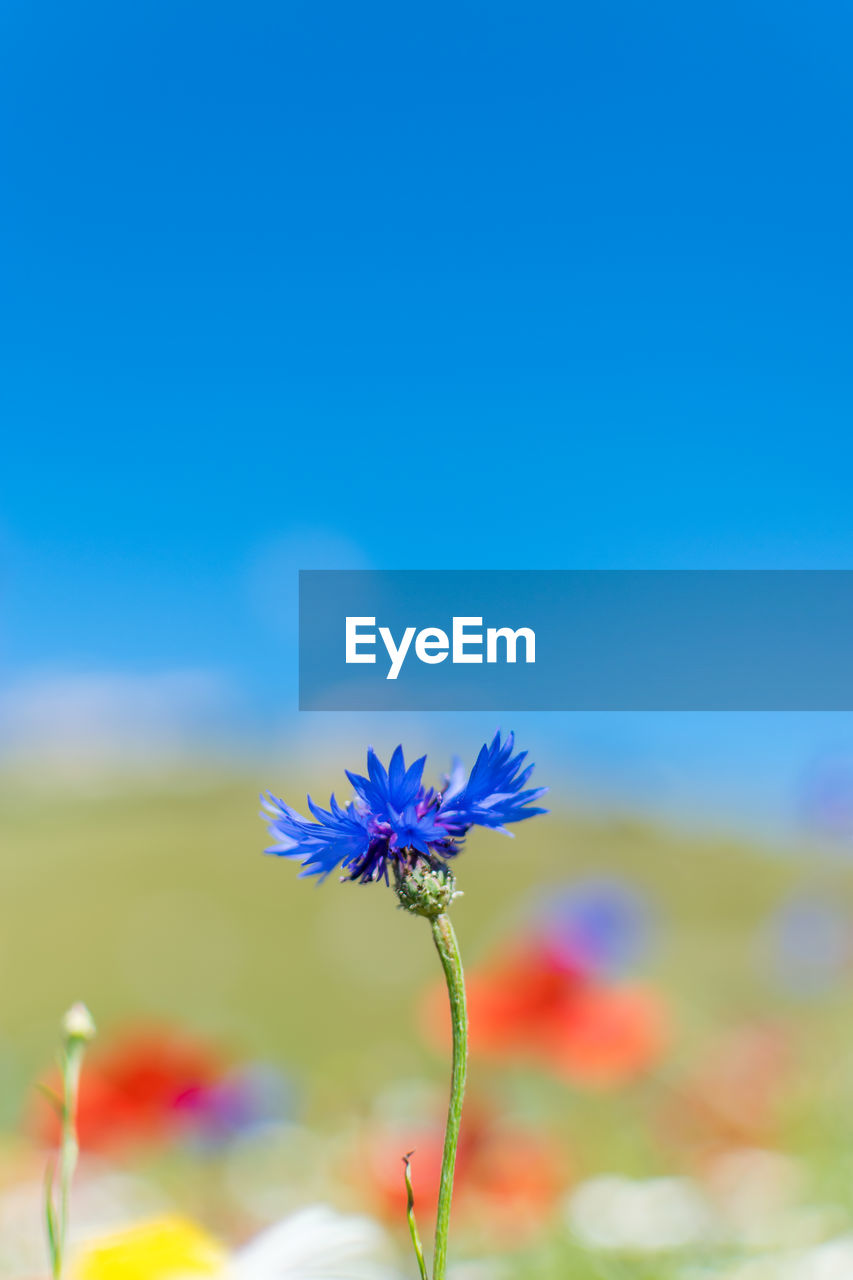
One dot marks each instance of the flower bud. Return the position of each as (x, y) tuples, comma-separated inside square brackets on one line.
[(78, 1023), (426, 889)]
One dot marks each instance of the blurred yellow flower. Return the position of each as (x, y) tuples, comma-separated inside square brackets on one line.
[(166, 1249)]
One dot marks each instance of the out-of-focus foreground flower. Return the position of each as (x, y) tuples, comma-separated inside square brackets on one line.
[(165, 1249), (315, 1244), (745, 1220), (649, 1215)]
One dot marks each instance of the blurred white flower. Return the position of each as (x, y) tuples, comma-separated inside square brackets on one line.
[(316, 1244), (830, 1261), (641, 1216)]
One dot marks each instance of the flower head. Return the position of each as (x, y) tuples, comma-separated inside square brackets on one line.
[(394, 819)]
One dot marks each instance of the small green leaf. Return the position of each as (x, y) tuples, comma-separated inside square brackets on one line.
[(410, 1214), (52, 1097)]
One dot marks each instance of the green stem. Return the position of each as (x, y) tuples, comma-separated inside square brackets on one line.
[(70, 1149), (77, 1030), (448, 951), (410, 1214)]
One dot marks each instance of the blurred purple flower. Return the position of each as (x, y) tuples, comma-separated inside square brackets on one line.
[(246, 1099), (393, 817), (601, 927), (810, 943)]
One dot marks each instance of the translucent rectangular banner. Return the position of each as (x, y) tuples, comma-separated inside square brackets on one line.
[(575, 640)]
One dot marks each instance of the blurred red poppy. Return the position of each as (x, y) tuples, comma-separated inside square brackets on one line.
[(531, 1006), (142, 1088), (508, 1181)]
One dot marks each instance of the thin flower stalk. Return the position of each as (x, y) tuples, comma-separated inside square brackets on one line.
[(78, 1029), (447, 947), (410, 1215)]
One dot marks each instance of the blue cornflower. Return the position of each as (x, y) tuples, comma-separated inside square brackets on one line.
[(393, 819)]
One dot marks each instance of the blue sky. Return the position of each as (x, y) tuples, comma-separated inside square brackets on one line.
[(472, 285)]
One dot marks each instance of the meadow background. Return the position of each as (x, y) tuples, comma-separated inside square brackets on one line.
[(151, 898), (294, 286)]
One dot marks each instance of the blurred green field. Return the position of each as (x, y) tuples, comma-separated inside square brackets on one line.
[(153, 900), (156, 900)]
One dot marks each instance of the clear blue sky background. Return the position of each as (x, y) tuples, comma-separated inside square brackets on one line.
[(477, 285)]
